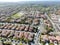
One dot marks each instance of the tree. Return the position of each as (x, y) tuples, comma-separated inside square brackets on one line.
[(20, 43)]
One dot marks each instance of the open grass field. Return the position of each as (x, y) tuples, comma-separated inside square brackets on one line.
[(17, 15)]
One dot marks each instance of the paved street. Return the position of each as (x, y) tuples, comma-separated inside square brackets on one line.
[(55, 28)]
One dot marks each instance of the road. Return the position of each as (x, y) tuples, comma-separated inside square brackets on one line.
[(40, 29), (36, 38), (54, 26)]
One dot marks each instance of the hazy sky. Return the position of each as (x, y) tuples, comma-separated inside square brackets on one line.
[(25, 0)]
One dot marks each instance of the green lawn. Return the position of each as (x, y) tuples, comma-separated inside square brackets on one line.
[(17, 15)]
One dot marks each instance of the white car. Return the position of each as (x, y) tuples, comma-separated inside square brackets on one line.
[(13, 44), (46, 44)]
